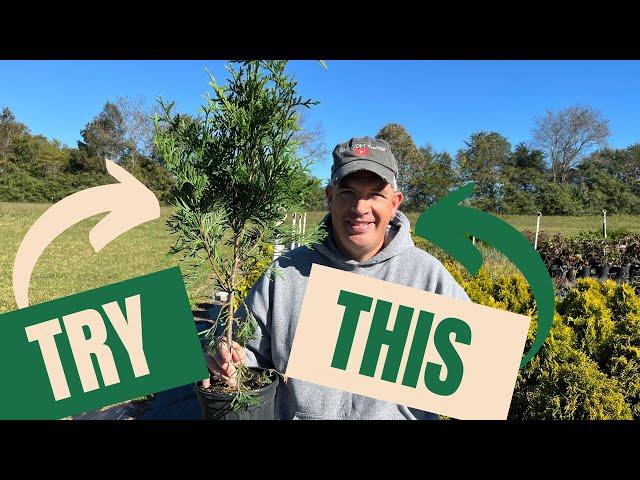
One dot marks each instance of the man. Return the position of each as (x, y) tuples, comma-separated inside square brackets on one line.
[(367, 235)]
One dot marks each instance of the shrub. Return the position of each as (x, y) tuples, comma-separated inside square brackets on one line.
[(256, 267), (585, 310), (589, 364)]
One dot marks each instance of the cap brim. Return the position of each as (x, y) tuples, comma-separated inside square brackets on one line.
[(357, 165)]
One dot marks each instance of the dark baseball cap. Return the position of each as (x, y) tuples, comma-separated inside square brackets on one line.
[(364, 153)]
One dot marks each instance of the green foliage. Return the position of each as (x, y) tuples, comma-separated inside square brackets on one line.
[(482, 162), (558, 199), (104, 136), (597, 188), (410, 161), (508, 181), (257, 267), (153, 175), (585, 310), (34, 169), (236, 176), (563, 383), (589, 248), (589, 365), (566, 385)]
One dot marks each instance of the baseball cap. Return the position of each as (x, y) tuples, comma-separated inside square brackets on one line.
[(364, 153)]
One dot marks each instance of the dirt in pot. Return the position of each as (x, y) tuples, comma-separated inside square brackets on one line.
[(251, 381)]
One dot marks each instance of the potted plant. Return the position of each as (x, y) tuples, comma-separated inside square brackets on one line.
[(629, 246), (572, 258), (237, 174), (611, 256), (550, 251)]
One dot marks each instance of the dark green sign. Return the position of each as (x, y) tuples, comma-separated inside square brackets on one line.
[(98, 348), (446, 225)]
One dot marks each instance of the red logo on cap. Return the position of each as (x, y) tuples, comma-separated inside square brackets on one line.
[(361, 151)]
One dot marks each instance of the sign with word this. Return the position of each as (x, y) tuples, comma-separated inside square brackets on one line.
[(98, 347), (407, 346)]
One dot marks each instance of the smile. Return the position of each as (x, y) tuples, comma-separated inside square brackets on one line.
[(356, 228)]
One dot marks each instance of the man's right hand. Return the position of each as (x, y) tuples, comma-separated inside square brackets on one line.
[(223, 364)]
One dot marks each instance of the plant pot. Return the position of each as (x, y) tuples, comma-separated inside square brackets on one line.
[(217, 406), (571, 275), (555, 271), (602, 272), (625, 271), (585, 271)]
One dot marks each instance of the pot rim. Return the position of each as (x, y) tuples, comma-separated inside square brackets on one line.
[(227, 396)]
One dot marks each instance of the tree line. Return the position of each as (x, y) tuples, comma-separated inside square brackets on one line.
[(566, 169), (36, 169)]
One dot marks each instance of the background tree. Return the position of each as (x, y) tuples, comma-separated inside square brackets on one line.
[(410, 162), (311, 140), (598, 188), (559, 199), (137, 118), (566, 136), (482, 162), (10, 131), (104, 136), (523, 176), (433, 181), (623, 164)]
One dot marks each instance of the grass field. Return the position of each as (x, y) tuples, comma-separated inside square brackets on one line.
[(551, 224), (70, 265)]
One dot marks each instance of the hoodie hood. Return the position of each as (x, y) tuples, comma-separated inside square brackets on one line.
[(397, 242)]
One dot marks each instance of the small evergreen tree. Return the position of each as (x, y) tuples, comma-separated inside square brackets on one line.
[(237, 175)]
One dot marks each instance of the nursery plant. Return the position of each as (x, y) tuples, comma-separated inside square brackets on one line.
[(237, 175)]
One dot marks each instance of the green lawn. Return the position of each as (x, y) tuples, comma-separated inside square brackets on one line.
[(548, 224), (70, 265)]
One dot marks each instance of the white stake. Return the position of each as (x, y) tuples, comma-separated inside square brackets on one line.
[(535, 243), (293, 241), (604, 223), (278, 247)]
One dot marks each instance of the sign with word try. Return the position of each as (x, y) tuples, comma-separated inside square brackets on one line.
[(98, 348), (407, 346)]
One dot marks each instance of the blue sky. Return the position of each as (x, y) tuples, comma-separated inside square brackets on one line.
[(439, 102)]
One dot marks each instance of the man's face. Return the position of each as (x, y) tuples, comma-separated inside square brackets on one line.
[(361, 207)]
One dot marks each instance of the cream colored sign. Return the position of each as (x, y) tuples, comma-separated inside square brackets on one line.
[(407, 346), (128, 202)]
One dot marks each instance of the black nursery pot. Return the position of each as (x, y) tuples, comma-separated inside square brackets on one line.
[(217, 406), (602, 272), (585, 271), (625, 271), (555, 271), (571, 275)]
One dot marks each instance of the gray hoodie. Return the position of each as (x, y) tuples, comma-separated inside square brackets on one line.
[(276, 301)]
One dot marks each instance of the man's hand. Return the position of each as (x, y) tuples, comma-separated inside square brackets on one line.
[(223, 364)]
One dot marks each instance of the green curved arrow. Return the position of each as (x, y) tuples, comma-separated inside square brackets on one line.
[(446, 223)]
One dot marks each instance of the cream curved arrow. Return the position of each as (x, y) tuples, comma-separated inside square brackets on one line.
[(128, 202)]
